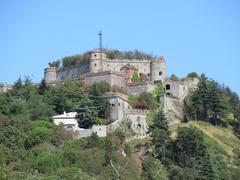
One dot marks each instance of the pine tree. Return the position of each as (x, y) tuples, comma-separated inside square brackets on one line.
[(86, 113), (160, 133), (216, 100), (42, 87), (159, 121), (17, 88), (237, 113)]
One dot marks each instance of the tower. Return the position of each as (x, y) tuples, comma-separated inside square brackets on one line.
[(50, 74), (98, 58), (158, 69)]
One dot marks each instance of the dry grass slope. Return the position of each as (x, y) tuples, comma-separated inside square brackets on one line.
[(224, 137)]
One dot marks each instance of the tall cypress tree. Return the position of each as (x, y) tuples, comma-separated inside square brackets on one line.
[(98, 101), (160, 133)]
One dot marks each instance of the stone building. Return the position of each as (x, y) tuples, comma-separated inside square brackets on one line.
[(4, 87), (114, 71), (180, 89)]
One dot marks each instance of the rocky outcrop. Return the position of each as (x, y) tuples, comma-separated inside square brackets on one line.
[(173, 109)]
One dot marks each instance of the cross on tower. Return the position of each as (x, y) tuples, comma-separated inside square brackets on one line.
[(100, 40)]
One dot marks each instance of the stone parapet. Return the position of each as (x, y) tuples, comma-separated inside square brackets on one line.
[(137, 111)]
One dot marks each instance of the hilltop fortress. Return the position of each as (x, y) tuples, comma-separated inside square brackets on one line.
[(117, 72), (122, 74)]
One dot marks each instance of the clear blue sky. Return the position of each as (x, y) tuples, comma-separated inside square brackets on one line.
[(201, 36)]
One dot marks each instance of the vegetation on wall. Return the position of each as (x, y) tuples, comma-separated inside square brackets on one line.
[(111, 54), (136, 54)]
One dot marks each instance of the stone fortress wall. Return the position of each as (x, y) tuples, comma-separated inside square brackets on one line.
[(73, 71), (112, 77), (137, 88), (143, 66), (154, 69)]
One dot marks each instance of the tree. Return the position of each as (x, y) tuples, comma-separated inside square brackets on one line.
[(39, 109), (174, 77), (216, 100), (237, 113), (56, 64), (206, 102), (153, 170), (189, 151), (47, 162), (13, 138), (159, 133), (86, 113), (192, 75), (159, 121), (42, 87), (160, 140), (67, 96), (39, 135), (99, 102), (18, 107), (3, 174), (28, 88), (233, 101), (17, 88)]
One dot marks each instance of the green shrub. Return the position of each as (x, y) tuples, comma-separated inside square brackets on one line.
[(16, 175), (47, 162), (73, 173), (39, 135), (152, 169), (42, 123), (120, 134)]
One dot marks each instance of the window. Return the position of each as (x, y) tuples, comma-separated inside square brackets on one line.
[(148, 74), (95, 64), (113, 104), (138, 118), (168, 87), (95, 55), (160, 73), (184, 88)]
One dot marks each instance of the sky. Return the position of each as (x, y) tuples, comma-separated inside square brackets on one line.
[(201, 36)]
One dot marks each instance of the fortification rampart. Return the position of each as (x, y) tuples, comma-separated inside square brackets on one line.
[(137, 112), (73, 71), (137, 88)]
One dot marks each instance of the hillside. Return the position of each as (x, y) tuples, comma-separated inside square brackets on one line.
[(221, 138), (33, 147)]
